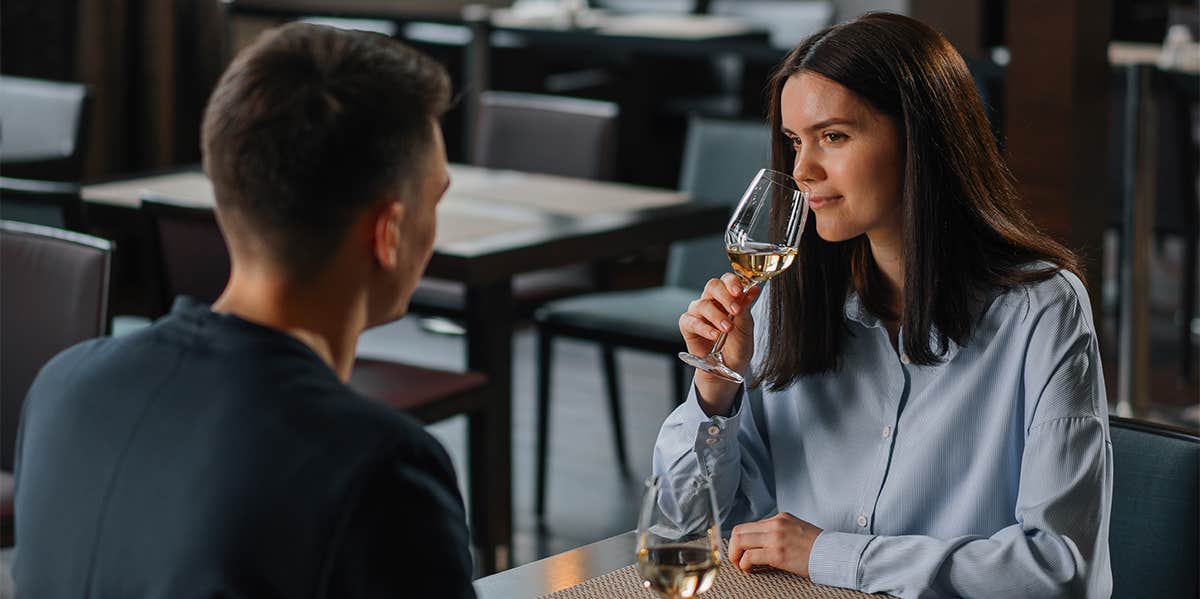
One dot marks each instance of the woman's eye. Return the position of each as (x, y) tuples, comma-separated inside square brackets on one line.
[(795, 142), (834, 136)]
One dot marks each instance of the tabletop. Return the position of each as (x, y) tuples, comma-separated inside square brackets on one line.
[(479, 202), (559, 571), (605, 569), (1134, 53)]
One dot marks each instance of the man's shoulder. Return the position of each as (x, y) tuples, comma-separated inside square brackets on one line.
[(401, 439), (71, 363)]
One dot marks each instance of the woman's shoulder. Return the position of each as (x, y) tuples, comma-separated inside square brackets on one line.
[(1051, 291)]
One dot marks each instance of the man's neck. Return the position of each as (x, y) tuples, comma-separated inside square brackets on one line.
[(324, 316)]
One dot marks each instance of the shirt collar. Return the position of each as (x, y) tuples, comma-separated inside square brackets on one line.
[(856, 311)]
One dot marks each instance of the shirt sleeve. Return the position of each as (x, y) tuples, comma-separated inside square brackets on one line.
[(1059, 544), (407, 536), (732, 450)]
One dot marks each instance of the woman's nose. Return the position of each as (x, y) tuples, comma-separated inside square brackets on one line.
[(805, 167)]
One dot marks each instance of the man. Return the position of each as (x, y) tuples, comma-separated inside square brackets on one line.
[(219, 451)]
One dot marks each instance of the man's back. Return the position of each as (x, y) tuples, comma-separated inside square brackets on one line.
[(209, 456)]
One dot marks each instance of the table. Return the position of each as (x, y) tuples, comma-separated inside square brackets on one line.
[(586, 565), (560, 571), (493, 225)]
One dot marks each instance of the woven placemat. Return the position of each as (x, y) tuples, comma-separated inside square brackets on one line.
[(731, 583)]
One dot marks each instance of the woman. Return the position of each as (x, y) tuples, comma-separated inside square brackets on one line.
[(928, 415)]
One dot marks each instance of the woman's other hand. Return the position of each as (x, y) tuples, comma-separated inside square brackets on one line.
[(783, 542)]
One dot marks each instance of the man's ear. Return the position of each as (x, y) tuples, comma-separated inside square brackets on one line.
[(386, 238)]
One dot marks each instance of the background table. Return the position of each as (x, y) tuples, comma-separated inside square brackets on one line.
[(493, 225)]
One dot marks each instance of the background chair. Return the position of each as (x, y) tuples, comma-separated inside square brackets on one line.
[(533, 133), (1154, 533), (555, 135), (42, 126), (54, 295), (47, 203), (720, 158), (187, 251), (194, 261)]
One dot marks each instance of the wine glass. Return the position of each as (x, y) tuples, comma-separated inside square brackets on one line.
[(762, 240), (678, 541)]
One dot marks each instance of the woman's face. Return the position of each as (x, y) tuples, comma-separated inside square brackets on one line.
[(848, 155)]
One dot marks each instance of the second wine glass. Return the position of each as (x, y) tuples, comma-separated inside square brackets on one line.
[(679, 540), (762, 240)]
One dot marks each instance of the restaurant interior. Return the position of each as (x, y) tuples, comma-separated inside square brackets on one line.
[(596, 149)]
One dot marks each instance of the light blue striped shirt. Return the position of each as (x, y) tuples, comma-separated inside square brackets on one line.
[(989, 475)]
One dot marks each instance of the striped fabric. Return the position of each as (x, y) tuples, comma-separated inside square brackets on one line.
[(989, 475)]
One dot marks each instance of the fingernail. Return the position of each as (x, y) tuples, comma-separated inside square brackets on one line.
[(713, 335), (725, 326), (733, 308)]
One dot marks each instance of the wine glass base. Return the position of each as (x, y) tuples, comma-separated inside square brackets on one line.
[(711, 364)]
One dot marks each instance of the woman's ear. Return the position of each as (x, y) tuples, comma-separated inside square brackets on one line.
[(386, 238)]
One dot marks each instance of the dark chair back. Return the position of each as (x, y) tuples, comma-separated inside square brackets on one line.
[(1155, 529), (47, 203), (54, 295), (192, 257), (555, 135), (42, 125), (719, 159)]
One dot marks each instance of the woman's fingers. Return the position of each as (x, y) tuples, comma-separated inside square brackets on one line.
[(718, 291), (700, 327), (762, 556), (782, 541), (744, 536), (733, 284), (754, 539)]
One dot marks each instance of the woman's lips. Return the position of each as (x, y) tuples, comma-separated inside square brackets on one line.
[(818, 202)]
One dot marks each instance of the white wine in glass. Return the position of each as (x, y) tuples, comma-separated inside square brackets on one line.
[(678, 548), (757, 262), (762, 240)]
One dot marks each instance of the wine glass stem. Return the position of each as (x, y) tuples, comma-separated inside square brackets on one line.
[(715, 352)]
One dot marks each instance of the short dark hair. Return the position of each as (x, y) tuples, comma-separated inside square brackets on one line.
[(964, 231), (309, 126)]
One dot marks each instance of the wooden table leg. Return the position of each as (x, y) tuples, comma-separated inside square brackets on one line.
[(489, 320)]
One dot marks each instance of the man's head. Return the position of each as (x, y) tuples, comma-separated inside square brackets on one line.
[(311, 134)]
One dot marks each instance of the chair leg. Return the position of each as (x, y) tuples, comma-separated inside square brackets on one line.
[(614, 404), (679, 382), (544, 363)]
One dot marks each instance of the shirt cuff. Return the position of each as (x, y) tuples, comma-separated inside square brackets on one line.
[(716, 436), (835, 558)]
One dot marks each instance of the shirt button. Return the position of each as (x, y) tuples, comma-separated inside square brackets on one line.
[(862, 520), (904, 359), (714, 429), (887, 431), (711, 441)]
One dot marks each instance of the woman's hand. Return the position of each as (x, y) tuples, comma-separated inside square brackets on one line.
[(723, 307), (782, 541)]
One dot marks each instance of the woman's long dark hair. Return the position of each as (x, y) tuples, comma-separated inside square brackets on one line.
[(964, 232)]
